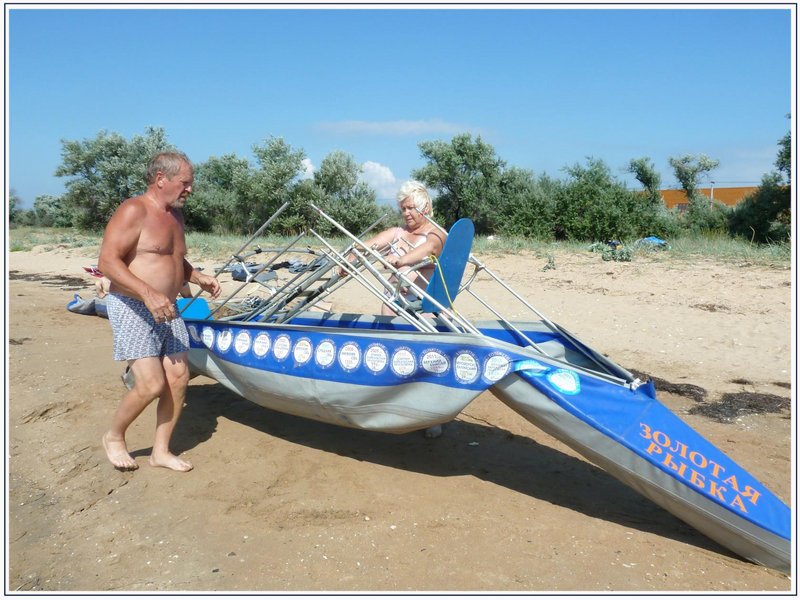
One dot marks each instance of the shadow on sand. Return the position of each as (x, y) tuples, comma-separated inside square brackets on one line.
[(501, 457)]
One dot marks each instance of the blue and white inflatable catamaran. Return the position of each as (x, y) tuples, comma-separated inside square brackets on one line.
[(422, 367)]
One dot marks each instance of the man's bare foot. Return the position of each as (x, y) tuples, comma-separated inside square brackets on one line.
[(117, 452), (170, 461)]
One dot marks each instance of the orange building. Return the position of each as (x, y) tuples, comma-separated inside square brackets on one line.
[(730, 196)]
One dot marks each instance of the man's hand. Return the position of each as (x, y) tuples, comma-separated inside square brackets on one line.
[(160, 306), (208, 284)]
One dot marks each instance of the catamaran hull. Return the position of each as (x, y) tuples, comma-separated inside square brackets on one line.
[(664, 478), (398, 381), (399, 409)]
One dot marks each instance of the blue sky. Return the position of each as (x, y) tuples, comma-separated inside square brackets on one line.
[(547, 88)]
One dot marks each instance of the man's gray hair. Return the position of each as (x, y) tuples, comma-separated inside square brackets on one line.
[(168, 163), (417, 191)]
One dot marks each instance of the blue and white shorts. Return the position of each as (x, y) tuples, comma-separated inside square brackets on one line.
[(136, 333)]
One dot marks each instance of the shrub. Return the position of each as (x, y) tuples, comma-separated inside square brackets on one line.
[(529, 209), (765, 215), (595, 206)]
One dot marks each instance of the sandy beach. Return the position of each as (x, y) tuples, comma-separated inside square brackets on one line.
[(280, 504)]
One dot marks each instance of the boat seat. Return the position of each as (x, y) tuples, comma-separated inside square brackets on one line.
[(198, 309), (449, 268)]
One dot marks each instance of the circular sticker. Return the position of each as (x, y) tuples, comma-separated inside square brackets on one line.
[(325, 354), (241, 344), (282, 346), (466, 367), (349, 356), (192, 329), (224, 339), (565, 381), (433, 361), (261, 345), (302, 351), (403, 362), (208, 337), (531, 367), (495, 367), (376, 358)]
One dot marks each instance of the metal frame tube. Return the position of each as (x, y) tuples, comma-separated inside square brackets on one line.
[(235, 256)]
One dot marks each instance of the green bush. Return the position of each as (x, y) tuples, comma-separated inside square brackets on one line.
[(529, 209), (52, 211), (593, 205), (765, 215), (465, 176)]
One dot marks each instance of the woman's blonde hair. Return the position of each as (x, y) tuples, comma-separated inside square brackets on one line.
[(418, 193)]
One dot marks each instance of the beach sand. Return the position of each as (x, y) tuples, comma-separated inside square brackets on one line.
[(282, 504)]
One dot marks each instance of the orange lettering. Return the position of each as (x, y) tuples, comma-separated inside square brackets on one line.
[(737, 502), (664, 436), (698, 479), (732, 481), (680, 448), (653, 448), (715, 468), (703, 462), (752, 494), (716, 490), (668, 462)]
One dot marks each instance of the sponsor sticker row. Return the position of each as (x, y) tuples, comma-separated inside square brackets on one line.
[(351, 355)]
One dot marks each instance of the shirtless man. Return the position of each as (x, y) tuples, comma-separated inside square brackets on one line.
[(144, 255)]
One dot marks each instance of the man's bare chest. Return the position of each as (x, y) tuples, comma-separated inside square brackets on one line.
[(163, 235)]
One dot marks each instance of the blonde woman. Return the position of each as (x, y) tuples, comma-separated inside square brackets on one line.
[(417, 239)]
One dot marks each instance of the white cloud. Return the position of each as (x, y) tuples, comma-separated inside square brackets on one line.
[(395, 128), (308, 169), (381, 179)]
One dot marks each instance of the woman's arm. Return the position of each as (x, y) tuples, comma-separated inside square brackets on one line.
[(432, 245)]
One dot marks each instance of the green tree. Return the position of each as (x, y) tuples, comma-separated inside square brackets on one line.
[(359, 209), (688, 169), (529, 208), (596, 206), (301, 215), (765, 216), (218, 185), (261, 191), (701, 214), (14, 212), (350, 201), (105, 171), (645, 173), (337, 174), (466, 176), (228, 172), (52, 211), (784, 160)]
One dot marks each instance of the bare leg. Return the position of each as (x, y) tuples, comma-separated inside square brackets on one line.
[(149, 382), (176, 370)]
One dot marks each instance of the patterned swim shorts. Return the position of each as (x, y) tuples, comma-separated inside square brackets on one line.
[(136, 333)]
